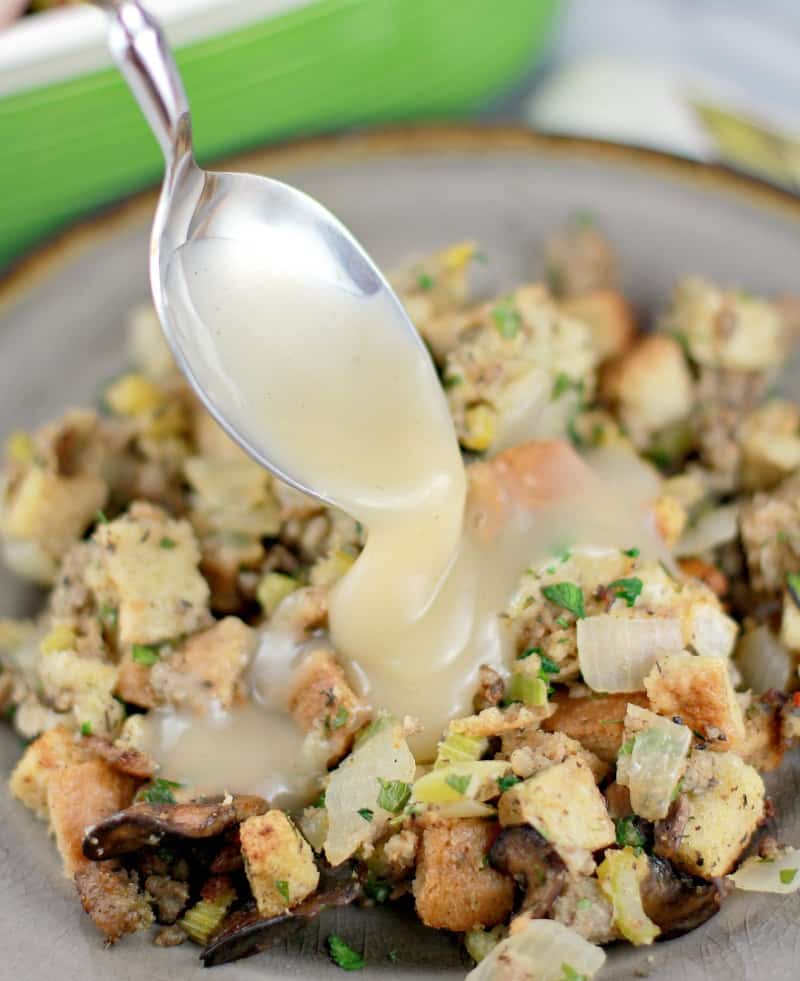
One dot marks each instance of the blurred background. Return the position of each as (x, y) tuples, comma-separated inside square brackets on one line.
[(709, 79)]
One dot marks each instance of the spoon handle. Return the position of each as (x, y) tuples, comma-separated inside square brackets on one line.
[(141, 51)]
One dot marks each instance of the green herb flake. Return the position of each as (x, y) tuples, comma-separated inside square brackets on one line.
[(632, 553), (394, 795), (452, 381), (528, 651), (547, 666), (568, 973), (86, 729), (562, 622), (343, 955), (787, 876), (425, 281), (340, 719), (507, 320), (100, 517), (283, 888), (506, 783), (378, 890), (392, 955), (627, 589), (584, 903), (320, 801), (366, 813), (160, 791), (167, 543), (458, 783), (108, 615), (793, 582), (626, 748), (566, 595), (562, 384), (145, 655), (629, 834)]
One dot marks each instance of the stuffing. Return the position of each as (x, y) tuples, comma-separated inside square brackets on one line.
[(83, 686), (723, 812), (650, 386), (79, 795), (726, 328), (278, 861), (564, 805), (496, 721), (516, 369), (770, 444), (145, 567), (697, 689), (52, 751), (585, 908), (770, 530), (111, 896), (531, 750), (609, 318), (579, 259), (322, 701), (436, 284), (596, 722), (454, 887)]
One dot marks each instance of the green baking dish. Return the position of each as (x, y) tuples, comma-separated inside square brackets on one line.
[(78, 142)]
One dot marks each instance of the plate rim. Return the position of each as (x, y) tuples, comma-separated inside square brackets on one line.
[(56, 251)]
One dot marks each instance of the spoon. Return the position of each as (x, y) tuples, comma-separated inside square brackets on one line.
[(279, 223)]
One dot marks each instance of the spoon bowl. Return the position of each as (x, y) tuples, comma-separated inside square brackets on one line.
[(287, 231)]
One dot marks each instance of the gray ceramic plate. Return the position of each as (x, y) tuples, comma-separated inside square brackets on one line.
[(61, 323)]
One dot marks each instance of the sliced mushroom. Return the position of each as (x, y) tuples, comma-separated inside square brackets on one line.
[(677, 902), (146, 824), (667, 834), (531, 860), (245, 933)]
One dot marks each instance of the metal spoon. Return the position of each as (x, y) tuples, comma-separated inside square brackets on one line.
[(196, 204)]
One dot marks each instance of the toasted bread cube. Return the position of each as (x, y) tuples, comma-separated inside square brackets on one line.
[(52, 751), (279, 862), (770, 440), (564, 805), (79, 795), (722, 818), (455, 888), (597, 723), (698, 689), (609, 318), (210, 663), (322, 700), (651, 385), (147, 567)]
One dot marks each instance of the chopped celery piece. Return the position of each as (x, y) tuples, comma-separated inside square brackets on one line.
[(620, 875), (530, 691), (273, 589), (458, 748), (460, 781), (655, 763), (205, 917)]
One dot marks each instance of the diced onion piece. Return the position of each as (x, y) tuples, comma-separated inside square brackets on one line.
[(461, 781), (714, 528), (652, 761), (464, 809), (480, 943), (459, 748), (763, 661), (780, 874), (355, 785), (620, 875), (30, 561), (616, 653), (543, 950)]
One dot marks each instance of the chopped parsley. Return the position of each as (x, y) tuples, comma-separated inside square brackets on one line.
[(392, 955), (629, 834), (283, 888), (167, 542), (425, 281), (787, 876), (394, 795), (108, 615), (632, 553), (584, 903), (320, 801), (627, 747), (341, 717), (507, 320), (627, 589), (144, 654), (366, 813), (159, 791), (343, 955), (562, 622), (86, 728), (570, 974), (377, 889), (451, 381), (547, 666), (566, 595), (506, 783), (563, 383), (100, 517), (528, 651), (457, 782)]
